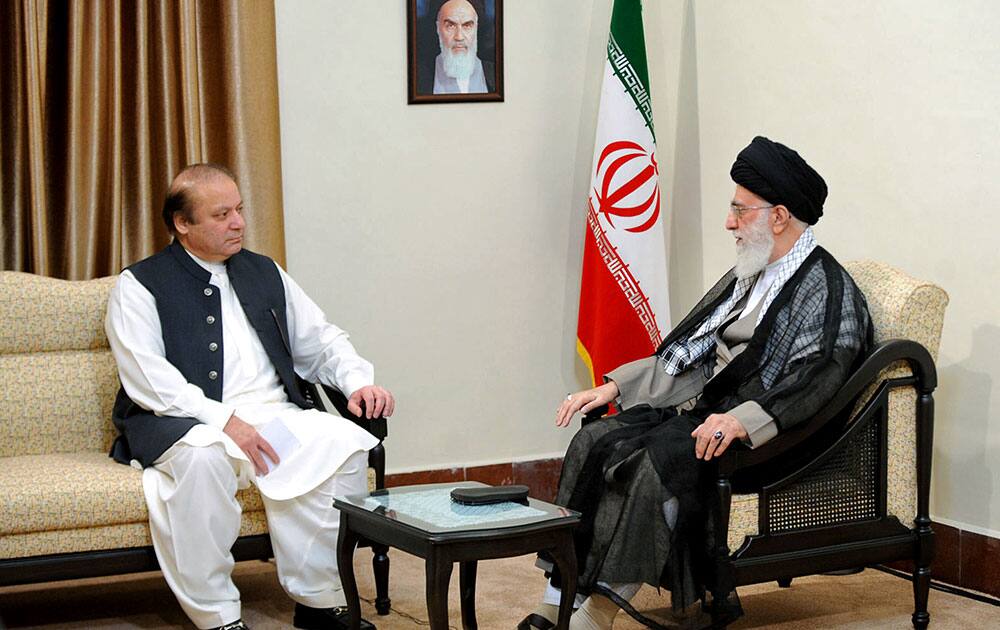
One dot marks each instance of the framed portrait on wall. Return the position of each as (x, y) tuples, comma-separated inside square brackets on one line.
[(454, 51)]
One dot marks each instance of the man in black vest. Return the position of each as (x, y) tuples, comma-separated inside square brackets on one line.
[(209, 338)]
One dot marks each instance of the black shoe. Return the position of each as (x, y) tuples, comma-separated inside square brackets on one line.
[(336, 618), (234, 625)]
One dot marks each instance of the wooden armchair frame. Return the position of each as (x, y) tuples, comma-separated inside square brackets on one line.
[(830, 512)]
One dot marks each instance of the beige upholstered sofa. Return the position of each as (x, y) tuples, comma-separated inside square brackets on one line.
[(59, 490), (67, 509)]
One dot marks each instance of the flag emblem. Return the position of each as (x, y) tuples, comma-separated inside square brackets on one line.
[(633, 172)]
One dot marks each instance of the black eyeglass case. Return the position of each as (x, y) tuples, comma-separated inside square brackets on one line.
[(486, 495)]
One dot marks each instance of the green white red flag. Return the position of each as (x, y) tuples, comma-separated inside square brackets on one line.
[(623, 294)]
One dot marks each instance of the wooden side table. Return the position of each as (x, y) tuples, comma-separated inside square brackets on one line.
[(422, 520)]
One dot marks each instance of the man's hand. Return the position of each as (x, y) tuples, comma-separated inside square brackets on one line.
[(378, 402), (707, 445), (585, 401), (251, 443)]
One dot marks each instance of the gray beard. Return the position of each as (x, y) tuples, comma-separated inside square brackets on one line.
[(458, 67), (753, 253)]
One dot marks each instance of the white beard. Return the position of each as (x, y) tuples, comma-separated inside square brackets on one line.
[(754, 250), (461, 66)]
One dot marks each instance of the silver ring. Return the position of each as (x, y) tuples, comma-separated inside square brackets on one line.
[(569, 396), (717, 435)]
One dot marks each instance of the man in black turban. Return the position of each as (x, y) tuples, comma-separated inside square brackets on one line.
[(774, 172), (765, 349)]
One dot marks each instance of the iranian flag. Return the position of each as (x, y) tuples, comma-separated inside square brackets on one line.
[(623, 297)]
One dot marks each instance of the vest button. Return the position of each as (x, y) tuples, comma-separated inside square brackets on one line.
[(213, 346), (210, 319), (213, 375), (208, 291)]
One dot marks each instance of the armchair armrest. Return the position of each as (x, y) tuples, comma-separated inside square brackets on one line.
[(885, 354), (376, 426)]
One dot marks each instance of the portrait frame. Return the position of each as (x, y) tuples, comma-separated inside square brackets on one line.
[(424, 55)]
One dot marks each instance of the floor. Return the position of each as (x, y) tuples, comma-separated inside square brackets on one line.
[(507, 590)]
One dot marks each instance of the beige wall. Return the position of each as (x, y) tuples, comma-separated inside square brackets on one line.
[(447, 238), (897, 104)]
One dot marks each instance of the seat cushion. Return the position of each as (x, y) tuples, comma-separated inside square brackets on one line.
[(100, 538), (742, 519), (63, 491)]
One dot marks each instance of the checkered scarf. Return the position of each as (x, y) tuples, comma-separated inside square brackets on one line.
[(680, 354)]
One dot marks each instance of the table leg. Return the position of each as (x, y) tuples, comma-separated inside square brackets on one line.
[(564, 556), (438, 570), (347, 541), (380, 565), (467, 593)]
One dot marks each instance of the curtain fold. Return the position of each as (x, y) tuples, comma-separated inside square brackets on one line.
[(102, 102)]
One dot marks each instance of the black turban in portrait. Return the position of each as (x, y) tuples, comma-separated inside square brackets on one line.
[(778, 174)]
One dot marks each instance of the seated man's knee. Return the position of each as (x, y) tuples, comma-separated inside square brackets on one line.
[(357, 463), (204, 460)]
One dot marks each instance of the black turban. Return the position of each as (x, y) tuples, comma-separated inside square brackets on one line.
[(778, 174)]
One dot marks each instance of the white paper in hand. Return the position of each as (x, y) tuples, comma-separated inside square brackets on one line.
[(281, 440)]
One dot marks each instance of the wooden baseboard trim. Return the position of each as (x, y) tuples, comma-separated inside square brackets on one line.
[(964, 559), (540, 475)]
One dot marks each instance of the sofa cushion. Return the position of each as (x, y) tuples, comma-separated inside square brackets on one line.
[(743, 517), (41, 314), (63, 491), (100, 538), (57, 401)]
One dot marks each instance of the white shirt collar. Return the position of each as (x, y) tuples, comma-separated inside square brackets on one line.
[(214, 268)]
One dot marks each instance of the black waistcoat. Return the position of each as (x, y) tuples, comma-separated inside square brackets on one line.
[(190, 314)]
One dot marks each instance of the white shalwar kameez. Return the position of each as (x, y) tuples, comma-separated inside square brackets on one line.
[(194, 516)]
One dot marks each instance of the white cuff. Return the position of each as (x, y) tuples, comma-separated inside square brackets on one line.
[(353, 382), (759, 424), (216, 414)]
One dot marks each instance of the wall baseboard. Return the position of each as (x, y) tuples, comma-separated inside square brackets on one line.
[(965, 559), (540, 475)]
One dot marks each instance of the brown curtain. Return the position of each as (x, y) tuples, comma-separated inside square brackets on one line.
[(102, 102)]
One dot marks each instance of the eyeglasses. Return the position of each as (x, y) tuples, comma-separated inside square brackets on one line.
[(739, 211)]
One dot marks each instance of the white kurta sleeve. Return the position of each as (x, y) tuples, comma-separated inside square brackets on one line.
[(133, 328), (320, 350)]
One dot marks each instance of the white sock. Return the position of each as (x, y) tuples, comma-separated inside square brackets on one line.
[(597, 613)]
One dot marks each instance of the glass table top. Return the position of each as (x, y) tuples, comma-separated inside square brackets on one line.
[(429, 507)]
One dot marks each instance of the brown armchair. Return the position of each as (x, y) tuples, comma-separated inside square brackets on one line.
[(863, 499)]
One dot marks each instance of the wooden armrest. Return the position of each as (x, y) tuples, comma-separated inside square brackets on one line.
[(376, 426), (885, 354)]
